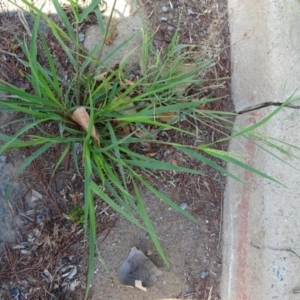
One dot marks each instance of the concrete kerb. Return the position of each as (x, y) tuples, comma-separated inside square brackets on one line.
[(265, 51), (261, 237), (261, 221)]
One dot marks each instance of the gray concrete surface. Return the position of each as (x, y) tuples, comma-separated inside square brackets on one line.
[(261, 254), (265, 47), (261, 227)]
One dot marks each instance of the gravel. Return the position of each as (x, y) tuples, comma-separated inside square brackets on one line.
[(81, 37), (164, 9), (204, 274), (183, 206), (163, 19)]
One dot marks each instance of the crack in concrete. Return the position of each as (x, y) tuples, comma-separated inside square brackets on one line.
[(267, 104), (256, 246), (275, 249), (285, 249)]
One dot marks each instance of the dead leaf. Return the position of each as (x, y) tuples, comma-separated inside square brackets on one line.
[(126, 129), (35, 195), (81, 117), (167, 116), (112, 32), (201, 106), (74, 197), (138, 132), (13, 47), (21, 73), (127, 83), (151, 154), (174, 162), (101, 76), (138, 284)]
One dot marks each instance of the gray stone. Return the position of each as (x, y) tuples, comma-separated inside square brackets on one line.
[(130, 52), (183, 206), (164, 9), (163, 19), (81, 37), (137, 266), (203, 274)]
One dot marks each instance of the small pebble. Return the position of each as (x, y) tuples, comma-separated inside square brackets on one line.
[(81, 37), (164, 9), (3, 158), (78, 147), (204, 274), (170, 28), (163, 19), (183, 206)]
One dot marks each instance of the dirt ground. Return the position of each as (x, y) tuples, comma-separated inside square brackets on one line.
[(40, 227)]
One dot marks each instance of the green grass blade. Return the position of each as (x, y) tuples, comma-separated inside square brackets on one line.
[(252, 128), (61, 158), (97, 190), (63, 17), (33, 156), (100, 20), (117, 50), (17, 134), (207, 161), (32, 56), (169, 202), (88, 10), (150, 228), (55, 84), (229, 159), (89, 214), (16, 144), (159, 165), (117, 153)]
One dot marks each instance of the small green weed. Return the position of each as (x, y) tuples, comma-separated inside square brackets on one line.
[(76, 215)]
